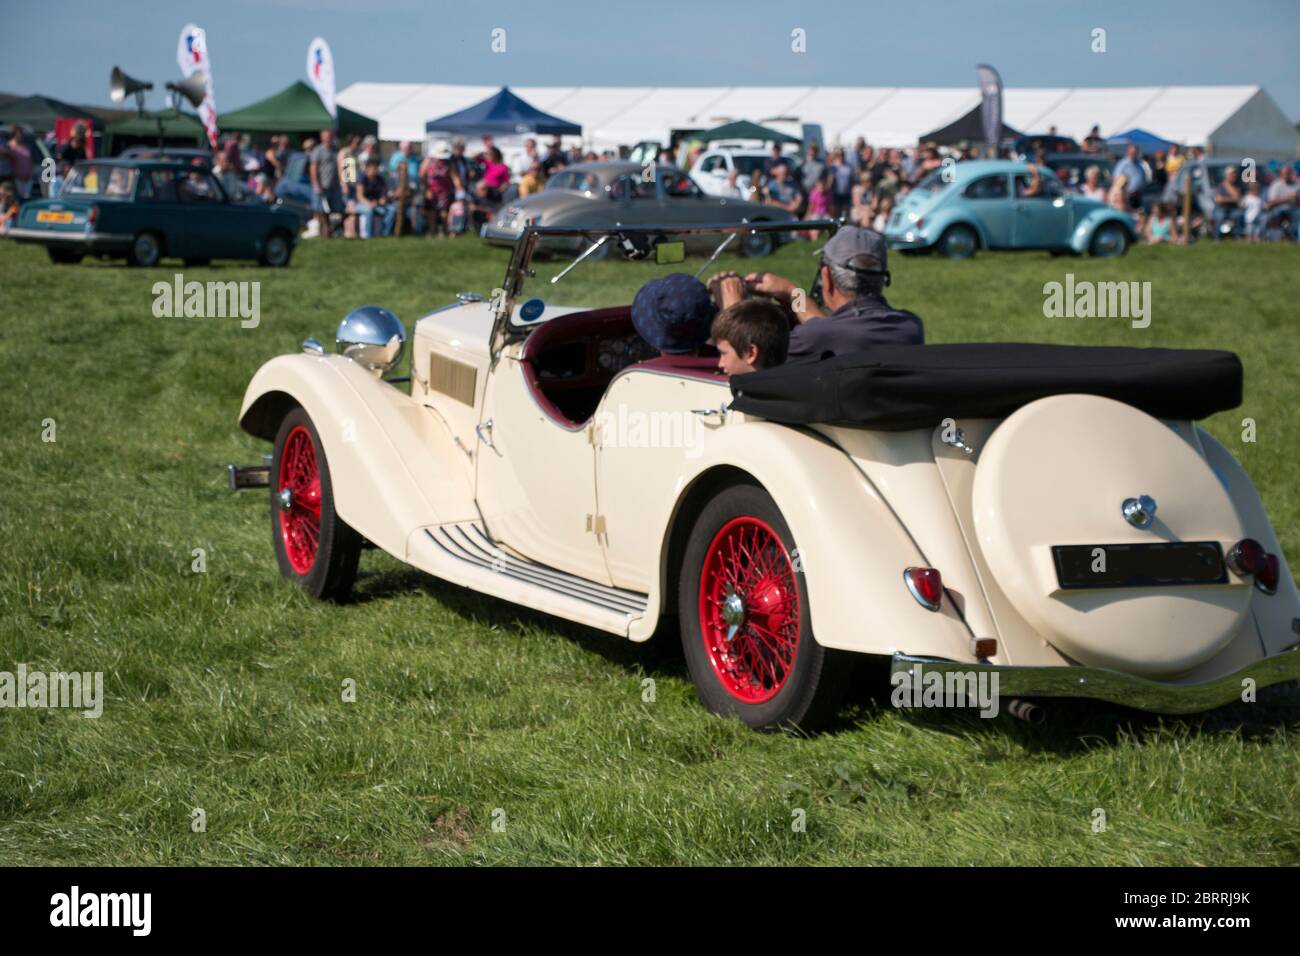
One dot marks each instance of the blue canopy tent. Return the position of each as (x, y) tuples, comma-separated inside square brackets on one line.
[(1147, 143), (502, 114)]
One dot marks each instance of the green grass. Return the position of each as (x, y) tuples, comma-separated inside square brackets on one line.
[(224, 688)]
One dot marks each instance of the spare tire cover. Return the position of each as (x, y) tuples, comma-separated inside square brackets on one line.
[(1056, 472)]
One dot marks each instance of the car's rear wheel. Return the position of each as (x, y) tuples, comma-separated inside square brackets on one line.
[(313, 545), (145, 251), (277, 250), (1109, 241), (756, 245), (958, 242), (745, 623), (65, 257)]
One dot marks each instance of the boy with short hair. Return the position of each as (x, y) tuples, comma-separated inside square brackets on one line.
[(750, 335)]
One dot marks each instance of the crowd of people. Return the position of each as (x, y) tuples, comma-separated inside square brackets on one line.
[(358, 192)]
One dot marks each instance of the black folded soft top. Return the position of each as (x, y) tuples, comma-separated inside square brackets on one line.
[(897, 387)]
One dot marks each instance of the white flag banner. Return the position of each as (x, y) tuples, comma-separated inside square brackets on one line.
[(320, 70), (192, 55)]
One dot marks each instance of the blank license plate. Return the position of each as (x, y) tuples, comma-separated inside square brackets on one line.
[(1139, 565)]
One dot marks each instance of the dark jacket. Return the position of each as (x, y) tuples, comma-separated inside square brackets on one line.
[(865, 322)]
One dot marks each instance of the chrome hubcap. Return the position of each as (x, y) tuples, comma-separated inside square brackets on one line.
[(733, 613), (285, 499)]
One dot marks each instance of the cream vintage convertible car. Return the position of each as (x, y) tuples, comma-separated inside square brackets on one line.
[(1047, 514)]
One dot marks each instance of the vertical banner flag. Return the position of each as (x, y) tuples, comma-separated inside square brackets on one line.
[(320, 70), (991, 105), (192, 55)]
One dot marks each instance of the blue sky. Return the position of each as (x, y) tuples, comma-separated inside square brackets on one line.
[(67, 49)]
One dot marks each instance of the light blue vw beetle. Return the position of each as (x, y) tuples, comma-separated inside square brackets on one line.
[(1001, 204)]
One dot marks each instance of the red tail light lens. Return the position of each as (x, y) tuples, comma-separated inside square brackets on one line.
[(1246, 557), (926, 586), (1267, 575)]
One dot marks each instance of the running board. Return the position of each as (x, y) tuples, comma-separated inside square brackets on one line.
[(487, 567)]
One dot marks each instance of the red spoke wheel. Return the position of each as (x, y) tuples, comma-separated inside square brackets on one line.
[(746, 629), (313, 546)]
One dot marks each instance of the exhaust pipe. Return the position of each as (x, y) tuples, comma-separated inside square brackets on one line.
[(1024, 710)]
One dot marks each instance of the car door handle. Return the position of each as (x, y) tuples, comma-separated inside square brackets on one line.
[(484, 432)]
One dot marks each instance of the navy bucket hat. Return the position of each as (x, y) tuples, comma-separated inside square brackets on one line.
[(673, 313)]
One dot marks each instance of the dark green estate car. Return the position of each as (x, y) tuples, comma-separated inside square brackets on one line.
[(142, 210)]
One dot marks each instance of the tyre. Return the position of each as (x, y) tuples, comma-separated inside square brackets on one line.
[(64, 256), (277, 250), (1109, 241), (145, 251), (745, 623), (313, 545), (756, 245), (958, 242)]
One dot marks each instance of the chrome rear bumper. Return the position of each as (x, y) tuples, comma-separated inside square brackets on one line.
[(1116, 687)]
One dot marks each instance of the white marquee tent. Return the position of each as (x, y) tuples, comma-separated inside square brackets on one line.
[(1232, 120)]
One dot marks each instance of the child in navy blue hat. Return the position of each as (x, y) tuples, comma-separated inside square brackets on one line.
[(674, 313)]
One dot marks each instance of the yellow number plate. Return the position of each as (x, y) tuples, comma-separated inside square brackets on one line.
[(46, 215)]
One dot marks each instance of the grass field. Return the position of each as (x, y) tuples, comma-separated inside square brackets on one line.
[(223, 687)]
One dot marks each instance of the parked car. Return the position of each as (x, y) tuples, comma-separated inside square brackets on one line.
[(601, 195), (142, 210), (1070, 169), (982, 204), (714, 165), (1027, 147), (900, 502)]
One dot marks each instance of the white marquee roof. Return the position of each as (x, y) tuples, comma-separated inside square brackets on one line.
[(1237, 118)]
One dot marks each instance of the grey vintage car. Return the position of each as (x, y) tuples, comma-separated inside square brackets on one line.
[(608, 194)]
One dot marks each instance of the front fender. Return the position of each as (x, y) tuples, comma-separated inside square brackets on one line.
[(852, 548), (376, 441), (1085, 228)]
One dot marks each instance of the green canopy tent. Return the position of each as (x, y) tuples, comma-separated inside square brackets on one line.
[(294, 110), (40, 112), (173, 127), (744, 129)]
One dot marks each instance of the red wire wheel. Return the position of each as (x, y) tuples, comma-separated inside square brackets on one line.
[(749, 610), (298, 494)]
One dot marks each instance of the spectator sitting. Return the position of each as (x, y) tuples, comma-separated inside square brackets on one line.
[(1281, 200), (1227, 201), (782, 190), (673, 314), (1092, 187), (266, 189), (750, 335), (533, 180), (862, 197), (732, 189), (8, 206), (1160, 227), (883, 209), (373, 211)]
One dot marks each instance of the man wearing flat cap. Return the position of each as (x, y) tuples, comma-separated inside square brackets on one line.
[(853, 272)]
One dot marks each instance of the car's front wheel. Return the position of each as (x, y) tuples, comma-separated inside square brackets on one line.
[(745, 623), (756, 245), (145, 251), (958, 242), (65, 257), (277, 251), (313, 545), (1110, 241)]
